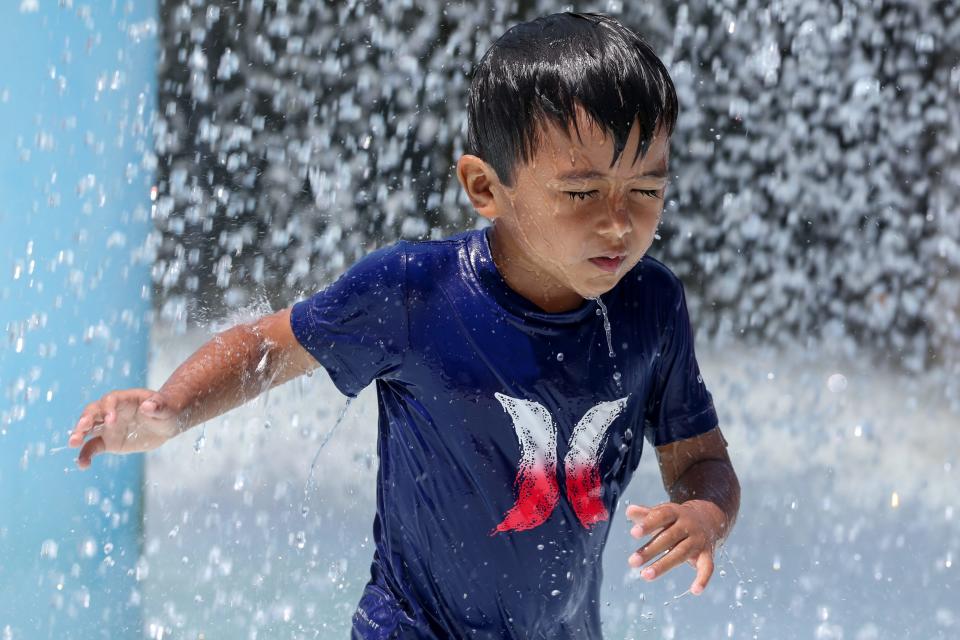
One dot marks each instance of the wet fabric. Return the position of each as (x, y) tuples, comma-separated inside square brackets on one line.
[(506, 434)]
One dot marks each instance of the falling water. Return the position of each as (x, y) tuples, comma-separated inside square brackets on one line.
[(602, 311), (326, 438), (606, 325)]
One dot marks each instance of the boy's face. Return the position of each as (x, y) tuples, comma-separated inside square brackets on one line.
[(571, 226)]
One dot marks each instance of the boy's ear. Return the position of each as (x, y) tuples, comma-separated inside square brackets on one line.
[(478, 180)]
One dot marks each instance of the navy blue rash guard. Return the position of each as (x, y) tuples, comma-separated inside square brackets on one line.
[(506, 434)]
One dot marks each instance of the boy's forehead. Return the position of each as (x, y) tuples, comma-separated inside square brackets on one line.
[(562, 150)]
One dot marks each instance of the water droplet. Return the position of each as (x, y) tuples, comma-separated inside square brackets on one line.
[(88, 548), (837, 383), (48, 549)]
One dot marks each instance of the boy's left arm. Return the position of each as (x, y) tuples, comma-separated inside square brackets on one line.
[(705, 497)]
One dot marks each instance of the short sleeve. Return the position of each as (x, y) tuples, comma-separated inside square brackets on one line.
[(679, 405), (356, 328)]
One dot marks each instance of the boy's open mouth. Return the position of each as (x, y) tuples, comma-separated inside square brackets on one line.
[(607, 264)]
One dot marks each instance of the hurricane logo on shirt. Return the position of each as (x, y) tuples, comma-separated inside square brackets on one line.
[(538, 490)]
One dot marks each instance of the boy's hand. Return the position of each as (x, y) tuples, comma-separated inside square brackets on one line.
[(126, 421), (688, 532)]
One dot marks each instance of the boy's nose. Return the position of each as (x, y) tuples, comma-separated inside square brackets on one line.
[(618, 219)]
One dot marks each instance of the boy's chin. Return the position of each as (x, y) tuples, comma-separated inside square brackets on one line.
[(599, 286)]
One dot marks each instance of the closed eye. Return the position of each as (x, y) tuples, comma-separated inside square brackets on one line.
[(583, 195)]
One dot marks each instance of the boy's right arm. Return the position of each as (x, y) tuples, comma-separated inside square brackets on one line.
[(233, 367)]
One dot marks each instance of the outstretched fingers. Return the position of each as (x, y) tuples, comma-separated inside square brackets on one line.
[(676, 537)]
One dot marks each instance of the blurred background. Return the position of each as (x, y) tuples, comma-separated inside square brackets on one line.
[(172, 168)]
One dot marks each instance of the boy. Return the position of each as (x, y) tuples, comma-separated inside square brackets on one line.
[(509, 406)]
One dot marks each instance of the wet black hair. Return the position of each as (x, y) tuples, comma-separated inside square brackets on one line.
[(540, 70)]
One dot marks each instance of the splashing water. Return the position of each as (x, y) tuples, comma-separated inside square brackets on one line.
[(256, 253), (326, 438)]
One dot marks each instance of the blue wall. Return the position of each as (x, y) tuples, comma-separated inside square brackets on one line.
[(77, 95)]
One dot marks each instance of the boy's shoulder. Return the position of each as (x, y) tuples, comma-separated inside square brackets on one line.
[(436, 246), (430, 259), (397, 257), (407, 263)]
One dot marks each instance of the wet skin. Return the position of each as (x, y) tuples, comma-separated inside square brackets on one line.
[(568, 206)]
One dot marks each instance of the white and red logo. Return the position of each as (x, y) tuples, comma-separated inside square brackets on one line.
[(537, 487)]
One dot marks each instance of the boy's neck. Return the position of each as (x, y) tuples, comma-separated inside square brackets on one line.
[(529, 279)]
